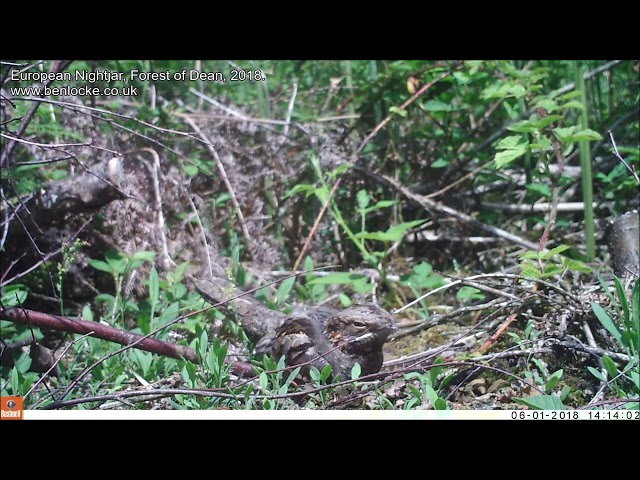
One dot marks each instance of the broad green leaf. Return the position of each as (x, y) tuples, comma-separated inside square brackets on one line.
[(548, 104), (283, 290), (507, 156), (13, 295), (325, 372), (547, 120), (355, 371), (264, 382), (437, 106), (511, 142), (146, 256), (87, 314), (541, 189), (190, 170), (440, 163), (563, 133), (314, 373), (322, 193), (586, 134), (597, 373), (525, 126), (170, 313), (100, 265), (440, 404)]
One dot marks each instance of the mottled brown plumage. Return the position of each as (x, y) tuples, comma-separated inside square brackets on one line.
[(324, 336)]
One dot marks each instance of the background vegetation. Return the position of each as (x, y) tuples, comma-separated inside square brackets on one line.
[(469, 198)]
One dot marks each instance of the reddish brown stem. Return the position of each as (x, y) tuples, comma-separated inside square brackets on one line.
[(105, 332)]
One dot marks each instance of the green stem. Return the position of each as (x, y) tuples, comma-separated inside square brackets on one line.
[(585, 163)]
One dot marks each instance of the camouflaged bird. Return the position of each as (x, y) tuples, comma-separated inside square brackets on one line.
[(324, 336)]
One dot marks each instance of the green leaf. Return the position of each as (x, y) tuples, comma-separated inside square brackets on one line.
[(606, 321), (362, 197), (541, 402), (283, 290), (576, 265), (285, 386), (325, 372), (530, 270), (100, 265), (511, 142), (169, 314), (564, 133), (610, 366), (381, 204), (322, 193), (264, 382), (202, 344), (508, 156), (362, 286), (573, 104), (13, 295), (597, 373), (416, 393), (345, 301), (15, 382), (437, 106), (525, 126), (189, 374), (87, 314), (145, 256), (440, 163), (423, 268), (548, 104), (308, 189), (547, 120), (23, 363), (586, 134), (555, 251), (552, 381), (398, 111), (190, 170), (355, 371), (393, 234), (314, 373), (440, 404), (541, 189), (143, 359)]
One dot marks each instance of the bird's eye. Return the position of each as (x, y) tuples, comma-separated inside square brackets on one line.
[(359, 324)]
